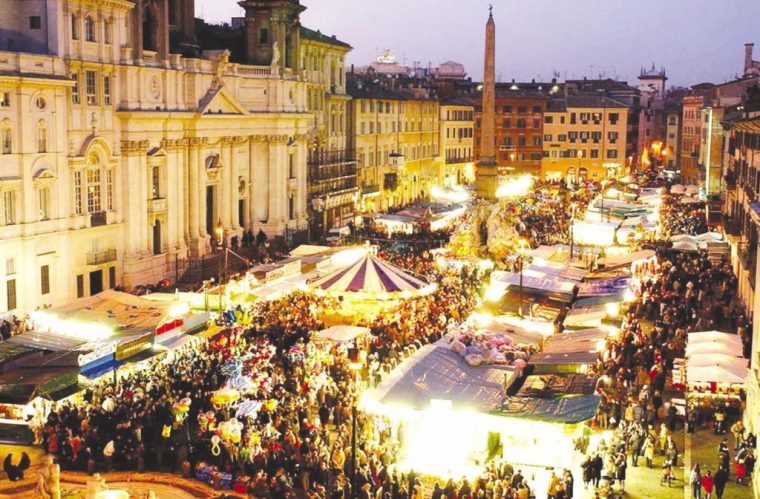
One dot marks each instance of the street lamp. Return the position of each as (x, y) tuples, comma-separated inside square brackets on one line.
[(580, 156), (220, 237), (355, 365), (573, 207), (522, 249)]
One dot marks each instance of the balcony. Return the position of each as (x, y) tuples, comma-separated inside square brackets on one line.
[(369, 191), (98, 218), (156, 205), (101, 257), (748, 258), (454, 161), (321, 158)]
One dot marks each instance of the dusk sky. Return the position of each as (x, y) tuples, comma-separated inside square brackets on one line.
[(694, 40)]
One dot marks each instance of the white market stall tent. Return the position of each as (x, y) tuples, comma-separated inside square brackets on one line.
[(342, 333), (711, 359), (714, 337), (712, 348), (734, 372)]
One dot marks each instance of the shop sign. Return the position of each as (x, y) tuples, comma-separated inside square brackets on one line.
[(288, 269), (98, 353), (130, 348)]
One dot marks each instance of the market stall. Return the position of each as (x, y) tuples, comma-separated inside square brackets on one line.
[(569, 352)]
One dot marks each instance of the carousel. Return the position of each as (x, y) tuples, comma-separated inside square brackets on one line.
[(367, 287)]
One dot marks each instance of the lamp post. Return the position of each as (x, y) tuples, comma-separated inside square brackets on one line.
[(220, 237), (522, 249), (573, 207), (355, 366), (580, 156)]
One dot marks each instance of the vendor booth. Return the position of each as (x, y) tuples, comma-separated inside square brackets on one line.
[(569, 352)]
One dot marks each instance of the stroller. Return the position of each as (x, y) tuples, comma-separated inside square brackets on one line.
[(740, 469)]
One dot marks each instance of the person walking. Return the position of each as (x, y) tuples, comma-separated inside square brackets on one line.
[(649, 450), (720, 480), (708, 485), (695, 480)]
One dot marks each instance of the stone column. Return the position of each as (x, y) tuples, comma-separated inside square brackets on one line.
[(278, 191), (133, 174), (225, 196), (193, 174), (259, 164), (137, 32), (233, 179), (201, 207)]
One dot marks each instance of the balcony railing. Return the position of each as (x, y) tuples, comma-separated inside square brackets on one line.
[(327, 158), (333, 187), (327, 173), (453, 161), (98, 218), (101, 257)]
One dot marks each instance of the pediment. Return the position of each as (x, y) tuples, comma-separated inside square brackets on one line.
[(220, 101)]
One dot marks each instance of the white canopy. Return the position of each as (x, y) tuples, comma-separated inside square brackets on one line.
[(342, 334), (712, 348), (718, 372), (711, 359), (677, 189), (715, 336), (533, 280), (689, 200), (625, 259)]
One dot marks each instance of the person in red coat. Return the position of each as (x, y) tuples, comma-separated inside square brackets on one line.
[(708, 484)]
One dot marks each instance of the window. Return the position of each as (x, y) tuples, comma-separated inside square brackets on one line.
[(106, 90), (536, 156), (78, 192), (80, 286), (35, 22), (42, 138), (10, 266), (614, 117), (547, 137), (109, 190), (263, 35), (522, 109), (596, 137), (584, 137), (44, 201), (291, 166), (74, 27), (585, 117), (572, 119), (521, 140), (521, 123), (89, 29), (291, 207), (507, 141), (507, 109), (156, 182), (612, 136), (75, 89), (45, 279), (7, 141), (5, 99), (536, 123), (562, 120), (111, 277), (93, 190), (612, 154), (10, 293), (536, 140), (92, 87), (507, 123), (572, 136), (594, 154), (548, 120), (107, 32), (9, 207), (561, 137)]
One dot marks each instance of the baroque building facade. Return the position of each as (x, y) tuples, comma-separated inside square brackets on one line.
[(125, 148)]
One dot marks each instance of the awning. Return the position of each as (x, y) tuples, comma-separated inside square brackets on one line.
[(342, 334), (99, 369), (568, 410)]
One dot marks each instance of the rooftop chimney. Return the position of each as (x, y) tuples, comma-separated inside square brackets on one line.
[(748, 56)]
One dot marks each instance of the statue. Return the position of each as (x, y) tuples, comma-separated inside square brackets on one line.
[(275, 54), (221, 65), (49, 483), (95, 485)]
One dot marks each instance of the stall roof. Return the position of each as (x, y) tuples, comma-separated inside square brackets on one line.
[(551, 386), (568, 410), (11, 351), (585, 316), (342, 334), (438, 373), (729, 372), (626, 259), (552, 286), (122, 312), (48, 341)]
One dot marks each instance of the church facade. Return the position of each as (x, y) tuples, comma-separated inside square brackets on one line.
[(126, 147)]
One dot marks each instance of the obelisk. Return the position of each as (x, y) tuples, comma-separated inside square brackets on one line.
[(486, 176)]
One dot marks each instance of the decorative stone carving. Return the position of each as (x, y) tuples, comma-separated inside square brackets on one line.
[(134, 146)]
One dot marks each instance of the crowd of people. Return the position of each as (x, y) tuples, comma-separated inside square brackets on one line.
[(166, 416)]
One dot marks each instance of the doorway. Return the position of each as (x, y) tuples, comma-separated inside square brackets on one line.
[(96, 282)]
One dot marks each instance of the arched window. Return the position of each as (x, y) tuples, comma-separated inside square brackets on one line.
[(89, 29)]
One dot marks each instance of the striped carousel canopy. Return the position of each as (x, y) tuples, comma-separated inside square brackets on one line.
[(370, 275)]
